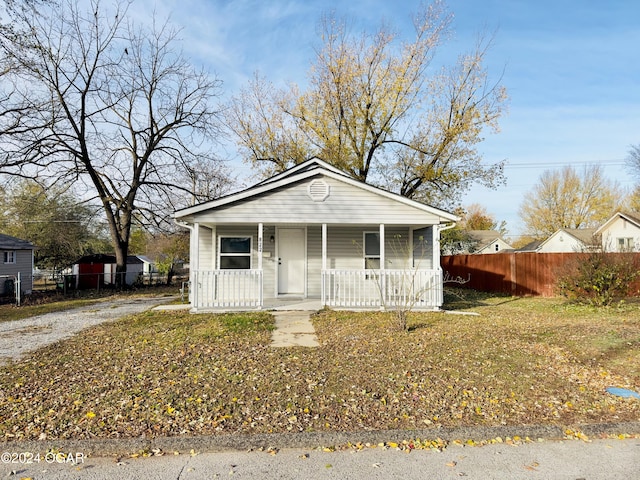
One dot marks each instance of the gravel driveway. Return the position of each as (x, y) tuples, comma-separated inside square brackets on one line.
[(20, 337)]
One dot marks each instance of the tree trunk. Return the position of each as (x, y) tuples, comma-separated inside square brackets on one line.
[(122, 250), (170, 274)]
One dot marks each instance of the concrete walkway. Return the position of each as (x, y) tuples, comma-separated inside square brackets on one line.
[(293, 329)]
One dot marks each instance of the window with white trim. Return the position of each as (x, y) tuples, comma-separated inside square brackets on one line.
[(371, 250), (9, 257), (235, 253), (625, 244)]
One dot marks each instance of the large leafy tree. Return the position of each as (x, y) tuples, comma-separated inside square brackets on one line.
[(568, 198), (94, 100), (472, 217), (52, 219), (377, 109), (476, 217)]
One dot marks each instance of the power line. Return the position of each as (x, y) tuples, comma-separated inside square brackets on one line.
[(578, 163)]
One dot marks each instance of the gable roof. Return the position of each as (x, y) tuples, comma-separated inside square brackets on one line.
[(631, 217), (306, 170), (581, 235), (8, 242), (484, 236), (585, 235), (532, 246), (312, 164)]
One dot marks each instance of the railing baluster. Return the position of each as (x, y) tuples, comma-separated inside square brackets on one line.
[(370, 288)]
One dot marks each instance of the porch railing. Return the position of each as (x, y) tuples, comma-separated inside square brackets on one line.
[(227, 289), (388, 289)]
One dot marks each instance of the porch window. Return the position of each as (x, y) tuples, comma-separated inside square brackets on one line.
[(9, 257), (235, 253), (371, 250)]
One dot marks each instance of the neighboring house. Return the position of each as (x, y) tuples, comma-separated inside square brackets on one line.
[(17, 258), (566, 240), (314, 232), (99, 270), (621, 233), (488, 241), (480, 242)]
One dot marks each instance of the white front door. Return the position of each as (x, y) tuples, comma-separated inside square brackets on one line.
[(291, 261)]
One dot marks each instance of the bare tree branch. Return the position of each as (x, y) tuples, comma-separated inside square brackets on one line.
[(94, 99)]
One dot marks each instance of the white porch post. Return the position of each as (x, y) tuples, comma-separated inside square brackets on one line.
[(214, 246), (324, 246), (194, 264), (436, 264), (195, 247), (323, 275), (260, 248), (383, 288), (260, 239), (435, 247), (382, 246)]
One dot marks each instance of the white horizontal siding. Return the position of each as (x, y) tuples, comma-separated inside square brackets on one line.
[(344, 251), (345, 204), (620, 228)]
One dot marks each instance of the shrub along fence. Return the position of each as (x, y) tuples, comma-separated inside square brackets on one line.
[(515, 274)]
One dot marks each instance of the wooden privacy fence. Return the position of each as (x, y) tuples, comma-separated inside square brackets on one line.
[(510, 273)]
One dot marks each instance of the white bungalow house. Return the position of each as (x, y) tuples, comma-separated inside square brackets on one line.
[(313, 232), (621, 233), (569, 240)]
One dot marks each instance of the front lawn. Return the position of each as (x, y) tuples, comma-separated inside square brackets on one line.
[(522, 361)]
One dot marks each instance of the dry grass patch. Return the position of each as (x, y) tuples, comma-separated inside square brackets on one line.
[(527, 361)]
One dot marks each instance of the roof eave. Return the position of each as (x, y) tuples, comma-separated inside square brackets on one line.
[(445, 217)]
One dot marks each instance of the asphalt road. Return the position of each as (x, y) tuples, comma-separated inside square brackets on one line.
[(562, 460)]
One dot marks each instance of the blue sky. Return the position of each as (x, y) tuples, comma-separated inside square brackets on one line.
[(571, 68)]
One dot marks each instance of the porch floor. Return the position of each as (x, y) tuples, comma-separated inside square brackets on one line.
[(292, 303)]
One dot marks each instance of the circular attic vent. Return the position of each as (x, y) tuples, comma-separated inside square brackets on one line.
[(318, 190)]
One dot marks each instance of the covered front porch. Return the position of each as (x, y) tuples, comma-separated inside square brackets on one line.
[(314, 232), (297, 265)]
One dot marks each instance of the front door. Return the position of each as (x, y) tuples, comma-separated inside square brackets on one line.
[(291, 261)]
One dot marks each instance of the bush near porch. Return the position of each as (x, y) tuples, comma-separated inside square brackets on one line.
[(522, 361)]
